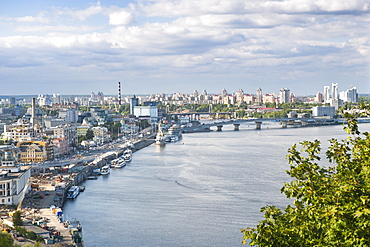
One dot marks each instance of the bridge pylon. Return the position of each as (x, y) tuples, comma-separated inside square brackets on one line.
[(258, 125)]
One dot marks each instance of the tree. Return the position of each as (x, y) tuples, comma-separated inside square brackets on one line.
[(331, 206), (17, 219), (89, 135), (6, 240)]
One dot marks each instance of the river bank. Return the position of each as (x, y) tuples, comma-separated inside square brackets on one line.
[(42, 207)]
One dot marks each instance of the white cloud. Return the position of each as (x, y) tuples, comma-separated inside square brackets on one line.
[(224, 36), (121, 17), (31, 19), (83, 14)]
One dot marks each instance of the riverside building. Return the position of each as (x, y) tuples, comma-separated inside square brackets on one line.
[(13, 178)]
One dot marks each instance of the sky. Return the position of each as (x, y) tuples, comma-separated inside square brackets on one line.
[(178, 46)]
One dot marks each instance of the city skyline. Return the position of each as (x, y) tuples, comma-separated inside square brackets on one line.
[(167, 46)]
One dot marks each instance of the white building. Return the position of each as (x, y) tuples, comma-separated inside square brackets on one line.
[(323, 111), (349, 95), (13, 179), (326, 94), (284, 95), (334, 91), (20, 131), (146, 111)]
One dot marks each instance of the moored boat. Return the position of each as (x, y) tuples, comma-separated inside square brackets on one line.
[(73, 192), (105, 170), (127, 157), (119, 163)]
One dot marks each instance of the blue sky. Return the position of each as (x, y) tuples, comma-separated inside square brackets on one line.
[(162, 46)]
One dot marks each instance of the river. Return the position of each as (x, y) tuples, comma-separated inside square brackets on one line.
[(199, 191)]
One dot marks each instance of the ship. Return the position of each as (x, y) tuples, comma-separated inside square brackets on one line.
[(73, 192), (174, 133)]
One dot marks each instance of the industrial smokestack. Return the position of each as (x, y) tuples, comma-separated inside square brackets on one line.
[(33, 113), (119, 93)]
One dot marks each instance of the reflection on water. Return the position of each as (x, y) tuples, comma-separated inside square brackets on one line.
[(198, 192)]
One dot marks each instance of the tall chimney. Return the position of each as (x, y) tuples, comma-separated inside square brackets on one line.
[(33, 113), (119, 93)]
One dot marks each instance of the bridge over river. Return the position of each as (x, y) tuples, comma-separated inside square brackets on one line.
[(283, 121)]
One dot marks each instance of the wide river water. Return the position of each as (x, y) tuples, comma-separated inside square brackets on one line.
[(199, 191)]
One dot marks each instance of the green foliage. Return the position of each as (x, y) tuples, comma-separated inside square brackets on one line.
[(17, 218), (81, 138), (21, 231), (89, 135), (31, 235), (331, 206), (113, 127), (6, 240)]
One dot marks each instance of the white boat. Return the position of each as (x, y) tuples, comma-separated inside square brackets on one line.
[(105, 170), (176, 131), (118, 163), (127, 157), (73, 192)]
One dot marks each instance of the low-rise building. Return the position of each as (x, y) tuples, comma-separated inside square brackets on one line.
[(61, 144), (21, 131), (323, 111), (101, 134), (146, 111), (35, 151)]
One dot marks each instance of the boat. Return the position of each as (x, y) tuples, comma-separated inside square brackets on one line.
[(118, 163), (73, 192), (175, 132), (73, 224), (160, 139), (96, 172), (171, 138), (105, 170), (92, 177), (82, 188), (127, 157)]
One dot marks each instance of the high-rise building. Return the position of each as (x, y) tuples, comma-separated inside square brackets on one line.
[(239, 96), (350, 95), (326, 94), (259, 95), (319, 97), (57, 99), (284, 95), (12, 101), (334, 90), (133, 102)]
